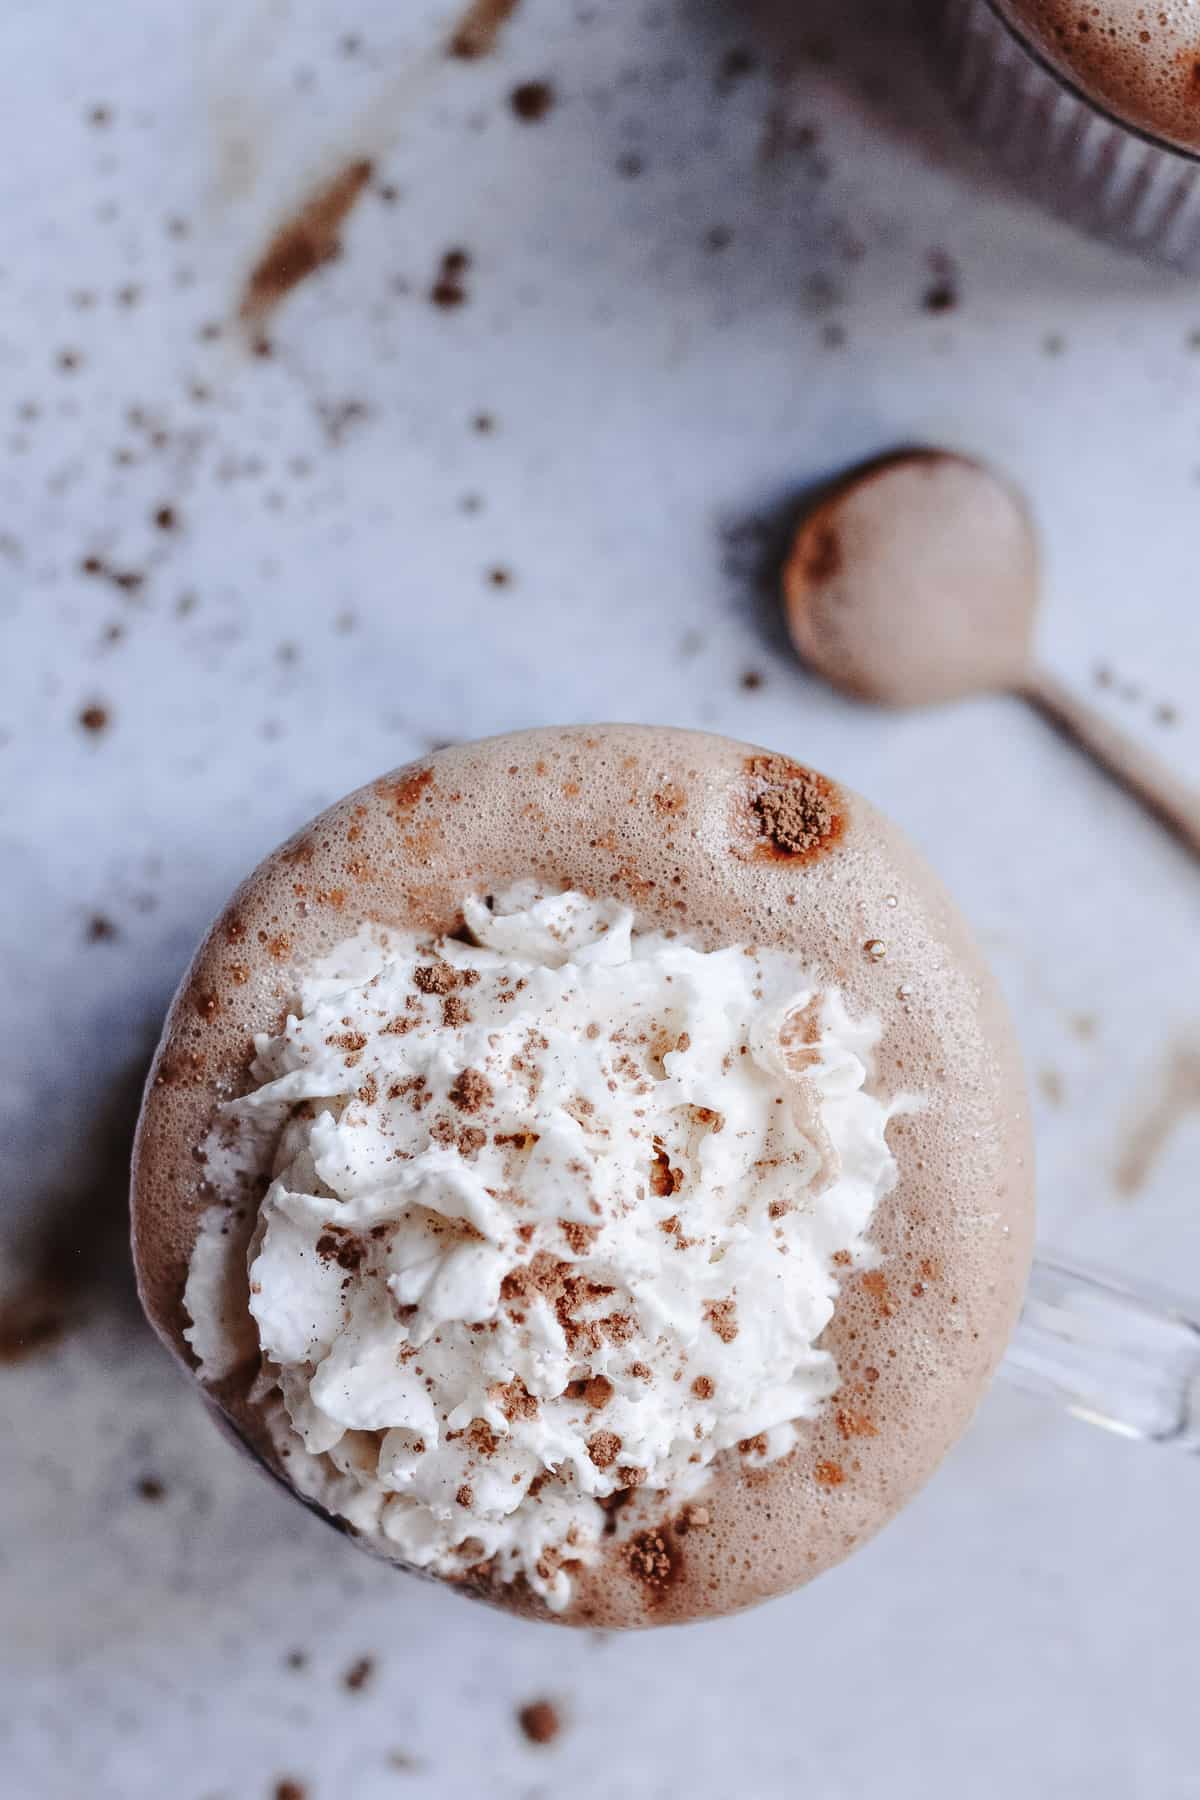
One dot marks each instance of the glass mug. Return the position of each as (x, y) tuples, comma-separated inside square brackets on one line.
[(1125, 1358), (1070, 147)]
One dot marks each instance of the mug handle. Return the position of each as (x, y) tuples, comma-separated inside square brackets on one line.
[(1126, 1359)]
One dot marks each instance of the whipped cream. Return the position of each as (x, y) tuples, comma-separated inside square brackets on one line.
[(554, 1215)]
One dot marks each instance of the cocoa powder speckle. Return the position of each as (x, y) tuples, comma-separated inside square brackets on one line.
[(603, 1448), (539, 1721), (358, 1674), (650, 1559), (532, 100), (471, 1091), (721, 1317)]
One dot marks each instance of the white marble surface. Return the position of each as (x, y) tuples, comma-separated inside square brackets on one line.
[(322, 610)]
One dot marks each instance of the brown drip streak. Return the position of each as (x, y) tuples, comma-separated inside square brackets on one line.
[(304, 243), (476, 33)]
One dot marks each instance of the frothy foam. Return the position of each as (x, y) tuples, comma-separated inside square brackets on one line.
[(1137, 61), (557, 1213)]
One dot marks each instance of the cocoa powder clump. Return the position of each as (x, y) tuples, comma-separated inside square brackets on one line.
[(796, 814), (604, 1447), (471, 1091)]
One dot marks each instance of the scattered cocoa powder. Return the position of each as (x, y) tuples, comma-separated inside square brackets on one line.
[(346, 1251), (721, 1317), (471, 1091), (531, 101), (603, 1448), (448, 289), (514, 1400), (358, 1674), (651, 1561), (540, 1721), (436, 978)]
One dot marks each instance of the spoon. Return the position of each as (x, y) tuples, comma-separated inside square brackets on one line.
[(915, 580)]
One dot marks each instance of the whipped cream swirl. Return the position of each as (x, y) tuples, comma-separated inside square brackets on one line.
[(556, 1212)]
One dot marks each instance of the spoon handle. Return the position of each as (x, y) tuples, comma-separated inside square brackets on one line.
[(1144, 774)]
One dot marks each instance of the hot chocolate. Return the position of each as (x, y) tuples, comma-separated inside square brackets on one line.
[(592, 1167), (1141, 63)]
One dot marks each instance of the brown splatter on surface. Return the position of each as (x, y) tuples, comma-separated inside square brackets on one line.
[(480, 26), (290, 1789), (531, 101), (829, 1474), (448, 289), (1175, 1094), (304, 243), (540, 1721), (358, 1674), (94, 718), (1050, 1086), (71, 1258)]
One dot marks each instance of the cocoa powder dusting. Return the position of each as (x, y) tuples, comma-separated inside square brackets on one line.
[(597, 1392), (651, 1560), (721, 1316), (471, 1091), (436, 978), (603, 1448)]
